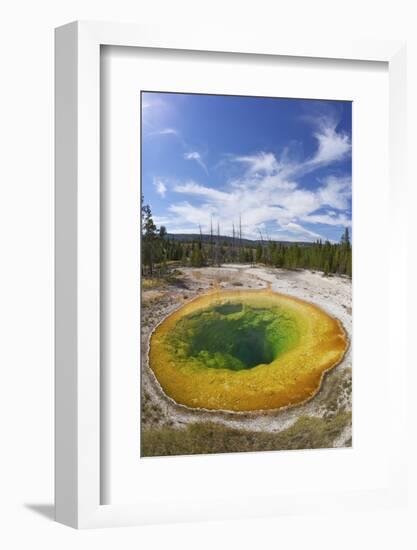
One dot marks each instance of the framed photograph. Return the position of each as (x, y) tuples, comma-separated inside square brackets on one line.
[(230, 341)]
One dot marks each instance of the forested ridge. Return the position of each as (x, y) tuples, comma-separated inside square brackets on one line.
[(159, 250)]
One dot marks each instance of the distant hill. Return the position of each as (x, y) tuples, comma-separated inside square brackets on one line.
[(189, 237)]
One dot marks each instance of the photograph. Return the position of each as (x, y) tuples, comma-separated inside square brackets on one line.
[(246, 274)]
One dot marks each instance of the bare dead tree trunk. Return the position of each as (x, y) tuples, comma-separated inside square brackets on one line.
[(240, 239), (268, 246), (262, 242), (218, 244), (233, 243), (211, 241)]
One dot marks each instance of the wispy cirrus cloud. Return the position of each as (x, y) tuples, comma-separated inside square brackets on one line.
[(284, 207), (192, 155), (332, 147), (333, 219), (155, 110), (196, 156), (269, 194), (259, 163), (192, 188), (298, 229), (189, 216), (336, 192), (160, 187), (156, 117), (164, 132)]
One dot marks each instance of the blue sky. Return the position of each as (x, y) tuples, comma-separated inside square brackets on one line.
[(282, 165)]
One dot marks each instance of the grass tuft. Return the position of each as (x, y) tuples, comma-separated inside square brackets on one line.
[(308, 432)]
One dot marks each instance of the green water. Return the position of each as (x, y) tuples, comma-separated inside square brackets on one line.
[(233, 336)]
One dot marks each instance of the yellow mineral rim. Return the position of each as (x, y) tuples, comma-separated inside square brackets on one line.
[(312, 343)]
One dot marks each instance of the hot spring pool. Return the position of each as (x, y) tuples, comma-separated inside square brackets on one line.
[(245, 350)]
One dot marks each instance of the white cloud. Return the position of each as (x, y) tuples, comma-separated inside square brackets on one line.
[(268, 196), (155, 111), (268, 200), (195, 155), (299, 202), (165, 132), (333, 146), (265, 163), (298, 229), (161, 220), (192, 188), (328, 219), (160, 186), (186, 213), (336, 192)]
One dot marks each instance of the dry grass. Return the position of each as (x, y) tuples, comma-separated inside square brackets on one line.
[(152, 283), (308, 432), (337, 393)]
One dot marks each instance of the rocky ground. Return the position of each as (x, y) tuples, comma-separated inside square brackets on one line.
[(334, 400)]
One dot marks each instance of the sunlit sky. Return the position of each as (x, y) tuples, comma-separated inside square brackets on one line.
[(282, 165)]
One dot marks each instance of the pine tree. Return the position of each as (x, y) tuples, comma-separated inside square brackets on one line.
[(197, 259), (149, 235), (259, 252)]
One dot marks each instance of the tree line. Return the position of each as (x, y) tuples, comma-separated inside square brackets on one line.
[(159, 251)]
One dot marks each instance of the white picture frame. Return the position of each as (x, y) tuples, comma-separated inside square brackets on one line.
[(77, 242)]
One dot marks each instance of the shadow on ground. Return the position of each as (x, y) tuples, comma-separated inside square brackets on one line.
[(45, 510)]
